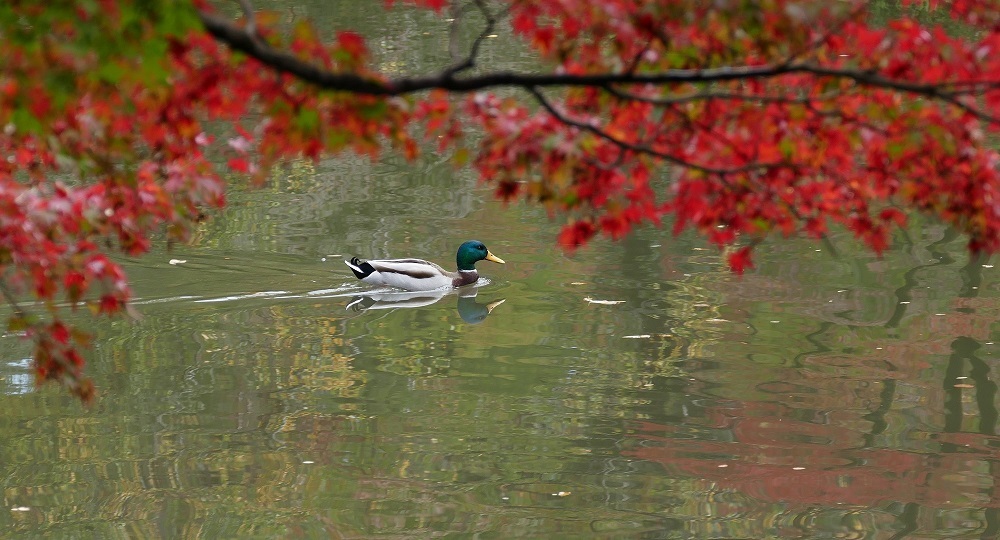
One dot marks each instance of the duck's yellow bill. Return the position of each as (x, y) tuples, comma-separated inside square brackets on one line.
[(494, 258)]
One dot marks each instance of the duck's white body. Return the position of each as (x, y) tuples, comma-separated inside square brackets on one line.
[(420, 275), (410, 274)]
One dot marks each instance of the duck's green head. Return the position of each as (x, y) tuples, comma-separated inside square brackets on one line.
[(472, 252)]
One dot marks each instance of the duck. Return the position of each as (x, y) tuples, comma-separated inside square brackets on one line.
[(421, 275)]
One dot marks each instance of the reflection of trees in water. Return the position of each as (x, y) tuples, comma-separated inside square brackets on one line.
[(808, 403), (368, 203)]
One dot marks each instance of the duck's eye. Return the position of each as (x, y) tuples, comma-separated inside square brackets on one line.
[(481, 246)]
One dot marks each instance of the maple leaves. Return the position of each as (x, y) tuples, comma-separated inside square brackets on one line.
[(829, 127), (764, 118), (95, 157), (105, 146), (739, 120)]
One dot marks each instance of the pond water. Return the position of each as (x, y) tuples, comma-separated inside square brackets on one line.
[(634, 389)]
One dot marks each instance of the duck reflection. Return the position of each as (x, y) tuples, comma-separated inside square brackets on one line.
[(471, 311)]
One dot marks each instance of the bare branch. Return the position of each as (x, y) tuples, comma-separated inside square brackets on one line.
[(12, 302), (251, 26), (470, 61), (457, 12)]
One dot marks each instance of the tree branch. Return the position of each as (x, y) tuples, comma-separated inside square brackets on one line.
[(708, 95), (642, 149), (239, 39), (12, 302), (251, 26), (72, 374), (470, 60), (457, 12), (935, 91), (852, 14)]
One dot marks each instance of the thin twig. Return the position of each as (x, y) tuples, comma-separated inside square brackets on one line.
[(470, 60), (614, 165), (14, 305), (935, 91), (970, 86), (836, 27), (707, 96), (251, 18), (637, 59), (710, 131), (457, 12)]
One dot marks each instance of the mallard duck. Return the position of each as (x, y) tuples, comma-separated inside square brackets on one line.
[(421, 275)]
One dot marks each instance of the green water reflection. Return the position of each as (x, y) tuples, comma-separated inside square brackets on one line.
[(635, 389)]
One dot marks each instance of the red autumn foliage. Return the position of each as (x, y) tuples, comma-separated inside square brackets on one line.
[(736, 120)]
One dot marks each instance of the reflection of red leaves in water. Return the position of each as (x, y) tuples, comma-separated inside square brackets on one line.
[(761, 459)]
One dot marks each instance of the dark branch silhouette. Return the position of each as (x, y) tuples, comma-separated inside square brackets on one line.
[(243, 40), (643, 149), (470, 59)]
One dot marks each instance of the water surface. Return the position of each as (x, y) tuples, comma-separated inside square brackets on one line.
[(634, 389)]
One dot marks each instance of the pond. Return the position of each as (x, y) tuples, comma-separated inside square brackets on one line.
[(634, 389)]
